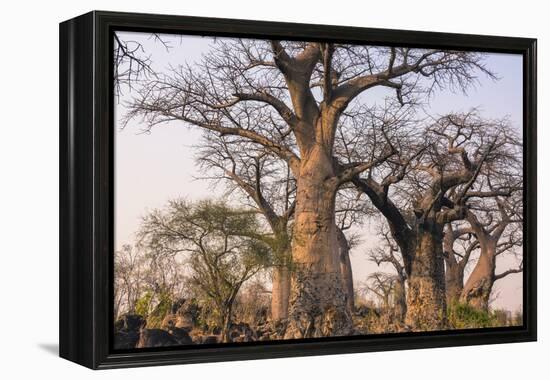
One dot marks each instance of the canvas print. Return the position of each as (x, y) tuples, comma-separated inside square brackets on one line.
[(273, 190)]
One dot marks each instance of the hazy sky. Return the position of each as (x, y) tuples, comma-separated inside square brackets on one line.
[(152, 168)]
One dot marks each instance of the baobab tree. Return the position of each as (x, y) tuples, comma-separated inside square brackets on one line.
[(388, 253), (269, 188), (437, 179), (350, 212), (382, 285), (497, 232), (306, 87), (458, 245)]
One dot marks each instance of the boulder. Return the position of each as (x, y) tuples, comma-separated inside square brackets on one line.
[(127, 331), (156, 338), (211, 339), (181, 335), (126, 340)]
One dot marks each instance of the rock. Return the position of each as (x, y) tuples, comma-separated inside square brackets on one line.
[(127, 331), (181, 335), (211, 339), (156, 338), (130, 322), (184, 314), (242, 330), (196, 335), (126, 340)]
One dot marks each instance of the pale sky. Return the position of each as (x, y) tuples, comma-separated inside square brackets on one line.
[(151, 169)]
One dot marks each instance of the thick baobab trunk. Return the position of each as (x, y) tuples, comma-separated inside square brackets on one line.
[(426, 302), (400, 300), (454, 282), (280, 293), (318, 301), (345, 268), (454, 271), (479, 285)]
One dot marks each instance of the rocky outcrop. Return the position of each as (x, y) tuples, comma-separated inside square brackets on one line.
[(127, 331)]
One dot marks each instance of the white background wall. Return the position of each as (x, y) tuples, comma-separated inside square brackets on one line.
[(29, 187)]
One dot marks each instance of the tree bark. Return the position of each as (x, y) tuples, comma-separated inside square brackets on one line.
[(400, 299), (454, 270), (454, 282), (426, 301), (479, 285), (225, 320), (318, 301), (345, 268), (280, 293)]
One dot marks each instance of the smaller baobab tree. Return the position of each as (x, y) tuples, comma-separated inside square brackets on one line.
[(383, 286), (218, 243), (460, 148), (497, 232), (265, 185), (350, 212), (427, 186), (458, 245), (388, 253)]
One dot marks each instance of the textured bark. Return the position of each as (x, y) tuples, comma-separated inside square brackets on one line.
[(454, 282), (400, 299), (318, 301), (345, 268), (426, 300), (280, 293), (454, 270), (401, 232), (479, 285), (226, 324)]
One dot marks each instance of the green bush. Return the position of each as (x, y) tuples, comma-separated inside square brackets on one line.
[(463, 316), (143, 304)]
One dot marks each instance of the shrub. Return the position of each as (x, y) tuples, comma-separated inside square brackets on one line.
[(155, 317), (463, 316)]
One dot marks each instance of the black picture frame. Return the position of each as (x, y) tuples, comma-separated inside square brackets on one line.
[(86, 189)]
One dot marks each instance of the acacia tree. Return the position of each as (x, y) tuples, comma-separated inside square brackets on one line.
[(216, 241), (437, 181), (306, 86), (268, 184)]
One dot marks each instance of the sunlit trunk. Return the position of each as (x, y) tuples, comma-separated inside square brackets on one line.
[(426, 300), (280, 293), (454, 271), (454, 282), (318, 300), (345, 267), (478, 287), (400, 300)]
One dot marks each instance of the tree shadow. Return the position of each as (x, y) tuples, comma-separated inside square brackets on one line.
[(51, 348)]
